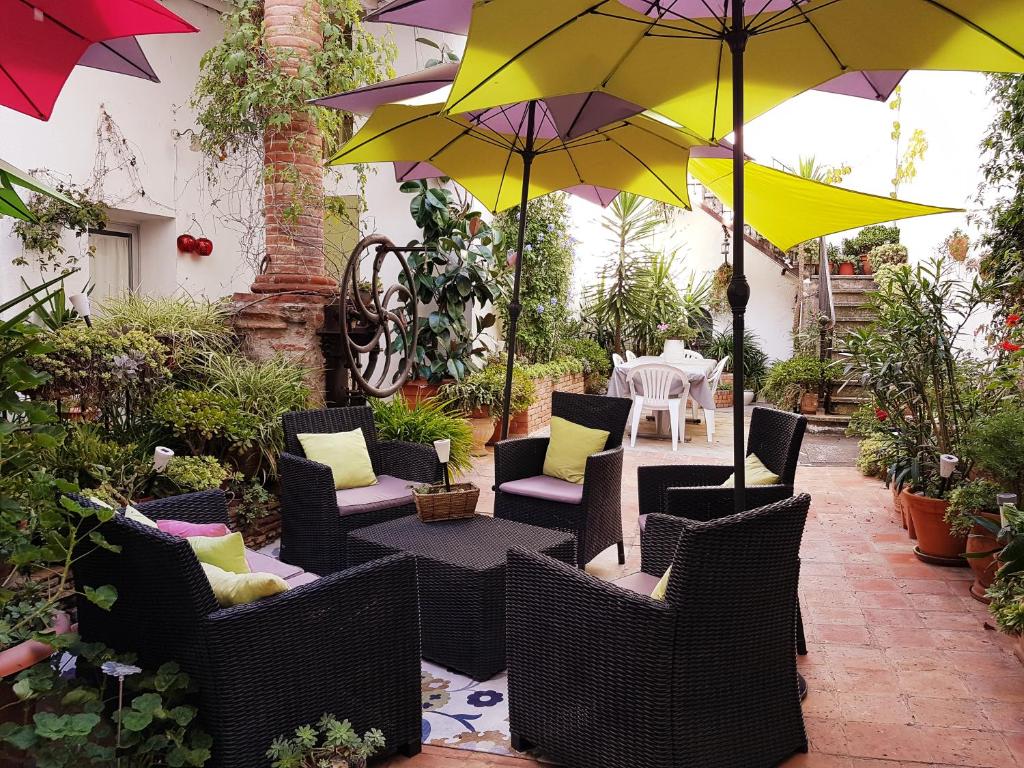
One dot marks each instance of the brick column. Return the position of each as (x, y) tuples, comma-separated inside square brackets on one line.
[(284, 310)]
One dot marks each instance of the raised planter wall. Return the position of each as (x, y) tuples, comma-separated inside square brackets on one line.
[(538, 415)]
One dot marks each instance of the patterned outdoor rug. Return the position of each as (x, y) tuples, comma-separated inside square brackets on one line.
[(460, 712)]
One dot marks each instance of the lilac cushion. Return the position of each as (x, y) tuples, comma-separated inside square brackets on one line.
[(640, 582), (184, 530), (301, 578), (388, 492), (259, 563), (547, 488), (643, 522)]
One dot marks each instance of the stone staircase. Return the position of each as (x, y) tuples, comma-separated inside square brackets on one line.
[(849, 297)]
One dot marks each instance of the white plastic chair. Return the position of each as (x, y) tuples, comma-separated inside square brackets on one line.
[(617, 359), (656, 380), (709, 415), (630, 356)]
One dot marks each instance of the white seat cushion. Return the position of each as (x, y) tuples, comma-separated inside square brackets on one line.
[(547, 488)]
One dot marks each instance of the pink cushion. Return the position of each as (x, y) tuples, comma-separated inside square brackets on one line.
[(183, 529), (388, 492), (640, 582), (547, 488), (259, 563), (643, 523), (302, 578)]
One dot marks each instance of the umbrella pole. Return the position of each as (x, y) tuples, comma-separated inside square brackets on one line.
[(514, 308), (739, 289)]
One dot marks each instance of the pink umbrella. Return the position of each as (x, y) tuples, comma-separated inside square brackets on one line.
[(45, 39), (453, 16), (121, 55)]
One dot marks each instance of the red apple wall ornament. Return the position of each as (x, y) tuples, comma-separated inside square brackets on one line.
[(186, 243), (204, 246)]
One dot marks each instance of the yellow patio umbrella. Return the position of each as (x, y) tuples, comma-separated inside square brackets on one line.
[(712, 64)]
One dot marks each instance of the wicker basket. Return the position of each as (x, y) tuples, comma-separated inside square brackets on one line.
[(458, 503)]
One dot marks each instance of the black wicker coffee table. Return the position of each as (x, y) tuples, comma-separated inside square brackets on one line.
[(461, 569)]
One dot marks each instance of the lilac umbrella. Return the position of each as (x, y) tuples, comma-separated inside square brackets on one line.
[(122, 55), (453, 16)]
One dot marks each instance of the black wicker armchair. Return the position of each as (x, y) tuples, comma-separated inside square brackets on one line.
[(694, 490), (601, 675), (591, 511), (315, 518), (346, 643)]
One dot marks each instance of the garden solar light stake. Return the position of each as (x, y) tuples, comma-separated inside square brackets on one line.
[(444, 453)]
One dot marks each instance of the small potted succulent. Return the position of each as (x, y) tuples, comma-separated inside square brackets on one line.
[(843, 263), (328, 744)]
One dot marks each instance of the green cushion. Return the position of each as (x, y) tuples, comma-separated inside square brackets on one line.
[(569, 447), (240, 588), (133, 514), (225, 552), (756, 473), (658, 593), (345, 453)]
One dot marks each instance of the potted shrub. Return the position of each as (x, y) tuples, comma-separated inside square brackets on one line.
[(844, 263), (755, 359), (887, 253), (1006, 594), (858, 247), (481, 395), (793, 384), (931, 391), (970, 501)]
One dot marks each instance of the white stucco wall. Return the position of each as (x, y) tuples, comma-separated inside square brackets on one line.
[(698, 239)]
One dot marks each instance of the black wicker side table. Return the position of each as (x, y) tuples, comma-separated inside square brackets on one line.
[(461, 571)]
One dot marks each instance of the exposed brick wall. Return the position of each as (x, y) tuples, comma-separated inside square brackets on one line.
[(539, 414), (286, 321)]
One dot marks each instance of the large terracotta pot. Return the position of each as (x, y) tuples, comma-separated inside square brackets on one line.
[(904, 514), (482, 423), (516, 428), (846, 268), (936, 543), (1018, 651), (865, 264), (418, 389), (981, 540)]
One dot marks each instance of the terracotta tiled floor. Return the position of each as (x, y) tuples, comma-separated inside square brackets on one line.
[(904, 667)]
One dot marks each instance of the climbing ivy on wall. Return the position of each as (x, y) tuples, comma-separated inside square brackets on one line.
[(547, 274)]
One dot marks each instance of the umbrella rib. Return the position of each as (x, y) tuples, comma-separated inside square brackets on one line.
[(973, 25), (128, 61), (508, 63), (660, 21), (784, 19), (831, 50), (651, 171), (579, 113), (626, 54), (718, 88), (22, 91)]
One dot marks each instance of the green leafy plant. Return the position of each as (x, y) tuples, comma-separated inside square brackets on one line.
[(546, 277), (869, 238), (1007, 589), (485, 389), (55, 311), (455, 274), (188, 328), (968, 501), (254, 501), (720, 287), (247, 88), (597, 364), (887, 253), (44, 236), (264, 391), (927, 388), (873, 456), (328, 743), (423, 423), (195, 473), (755, 359), (993, 443), (206, 422), (787, 380), (84, 718), (40, 526)]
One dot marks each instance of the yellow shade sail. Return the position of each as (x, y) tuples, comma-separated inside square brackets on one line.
[(639, 154), (519, 50), (789, 210)]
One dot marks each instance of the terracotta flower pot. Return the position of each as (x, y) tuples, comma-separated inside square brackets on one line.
[(1018, 650), (981, 540), (809, 402), (482, 423), (846, 268), (516, 428), (419, 389), (936, 543), (904, 515), (865, 264)]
